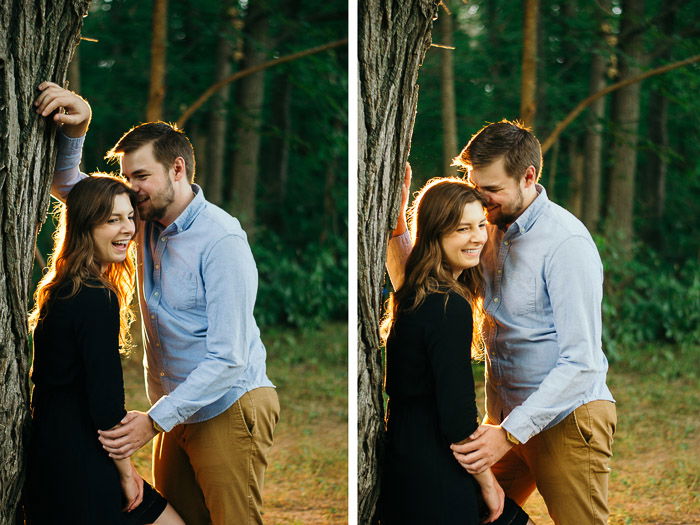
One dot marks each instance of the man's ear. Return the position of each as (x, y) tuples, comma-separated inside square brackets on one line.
[(530, 177), (179, 168)]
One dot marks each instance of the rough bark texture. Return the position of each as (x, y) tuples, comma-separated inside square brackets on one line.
[(528, 85), (393, 39), (626, 126), (594, 132), (219, 113), (447, 91), (156, 92), (37, 41), (251, 92)]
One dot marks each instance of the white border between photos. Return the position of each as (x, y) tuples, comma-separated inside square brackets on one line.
[(353, 93)]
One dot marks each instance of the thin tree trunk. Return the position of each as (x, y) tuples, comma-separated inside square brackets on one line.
[(626, 125), (594, 132), (528, 86), (251, 92), (447, 90), (39, 38), (576, 163), (553, 166), (393, 39), (219, 112), (156, 93)]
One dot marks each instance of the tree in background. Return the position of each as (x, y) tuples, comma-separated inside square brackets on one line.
[(39, 39), (393, 39)]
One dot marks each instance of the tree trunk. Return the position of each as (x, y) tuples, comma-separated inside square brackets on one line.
[(245, 165), (281, 142), (156, 92), (528, 85), (447, 90), (625, 125), (393, 40), (219, 111), (39, 39), (594, 131), (576, 163)]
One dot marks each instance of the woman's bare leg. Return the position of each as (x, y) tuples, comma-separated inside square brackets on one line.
[(169, 517)]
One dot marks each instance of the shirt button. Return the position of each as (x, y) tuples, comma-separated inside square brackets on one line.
[(506, 243), (500, 272), (157, 266), (153, 316), (163, 239), (162, 374), (495, 299), (156, 294), (157, 344)]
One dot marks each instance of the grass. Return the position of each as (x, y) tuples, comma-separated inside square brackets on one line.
[(656, 464), (306, 480)]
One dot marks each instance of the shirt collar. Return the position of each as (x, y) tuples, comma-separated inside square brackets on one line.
[(532, 212), (189, 214)]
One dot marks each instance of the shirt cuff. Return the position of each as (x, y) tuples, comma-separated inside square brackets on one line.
[(520, 425), (165, 414), (70, 150)]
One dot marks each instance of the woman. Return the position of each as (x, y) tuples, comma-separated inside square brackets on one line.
[(81, 316), (428, 372)]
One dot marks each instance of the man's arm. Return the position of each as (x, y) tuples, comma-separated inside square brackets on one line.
[(400, 244), (574, 279), (73, 114), (230, 282)]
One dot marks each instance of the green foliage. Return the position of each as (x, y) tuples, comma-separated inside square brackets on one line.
[(647, 300), (302, 288)]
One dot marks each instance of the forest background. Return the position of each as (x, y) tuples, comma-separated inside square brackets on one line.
[(271, 149), (628, 167)]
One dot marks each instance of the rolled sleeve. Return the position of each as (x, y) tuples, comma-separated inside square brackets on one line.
[(230, 287), (67, 171), (574, 279)]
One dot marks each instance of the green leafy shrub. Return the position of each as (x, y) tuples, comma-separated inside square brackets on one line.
[(302, 287), (648, 300)]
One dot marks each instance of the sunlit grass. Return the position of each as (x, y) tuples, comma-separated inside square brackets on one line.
[(306, 481)]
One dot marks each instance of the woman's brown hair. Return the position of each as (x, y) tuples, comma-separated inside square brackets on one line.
[(436, 211), (89, 204)]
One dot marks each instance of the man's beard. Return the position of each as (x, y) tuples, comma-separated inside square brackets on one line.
[(503, 219), (156, 212)]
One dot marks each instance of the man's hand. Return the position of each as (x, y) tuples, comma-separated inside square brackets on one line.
[(70, 109), (135, 431), (401, 226), (485, 447)]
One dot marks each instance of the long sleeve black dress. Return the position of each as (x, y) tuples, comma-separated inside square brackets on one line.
[(78, 389), (431, 405)]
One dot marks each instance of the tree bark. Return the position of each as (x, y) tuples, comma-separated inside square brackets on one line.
[(39, 38), (625, 125), (447, 90), (245, 166), (576, 163), (393, 40), (219, 111), (528, 85), (594, 131), (156, 93)]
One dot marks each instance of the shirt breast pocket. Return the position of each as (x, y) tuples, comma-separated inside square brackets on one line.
[(180, 290), (522, 293)]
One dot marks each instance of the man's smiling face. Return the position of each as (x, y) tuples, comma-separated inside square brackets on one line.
[(503, 193)]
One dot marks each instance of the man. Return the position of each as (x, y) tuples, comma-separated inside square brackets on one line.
[(213, 408), (550, 416)]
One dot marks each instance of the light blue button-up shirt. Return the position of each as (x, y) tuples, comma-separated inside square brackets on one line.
[(543, 290), (197, 289)]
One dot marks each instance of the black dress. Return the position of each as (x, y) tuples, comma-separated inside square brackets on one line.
[(78, 389), (431, 405)]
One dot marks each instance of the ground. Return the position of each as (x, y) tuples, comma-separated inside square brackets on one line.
[(306, 481)]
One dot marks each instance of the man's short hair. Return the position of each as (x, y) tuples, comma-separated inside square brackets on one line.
[(169, 142), (510, 140)]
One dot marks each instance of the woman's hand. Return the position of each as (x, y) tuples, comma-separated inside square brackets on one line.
[(68, 108), (494, 498), (132, 486)]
